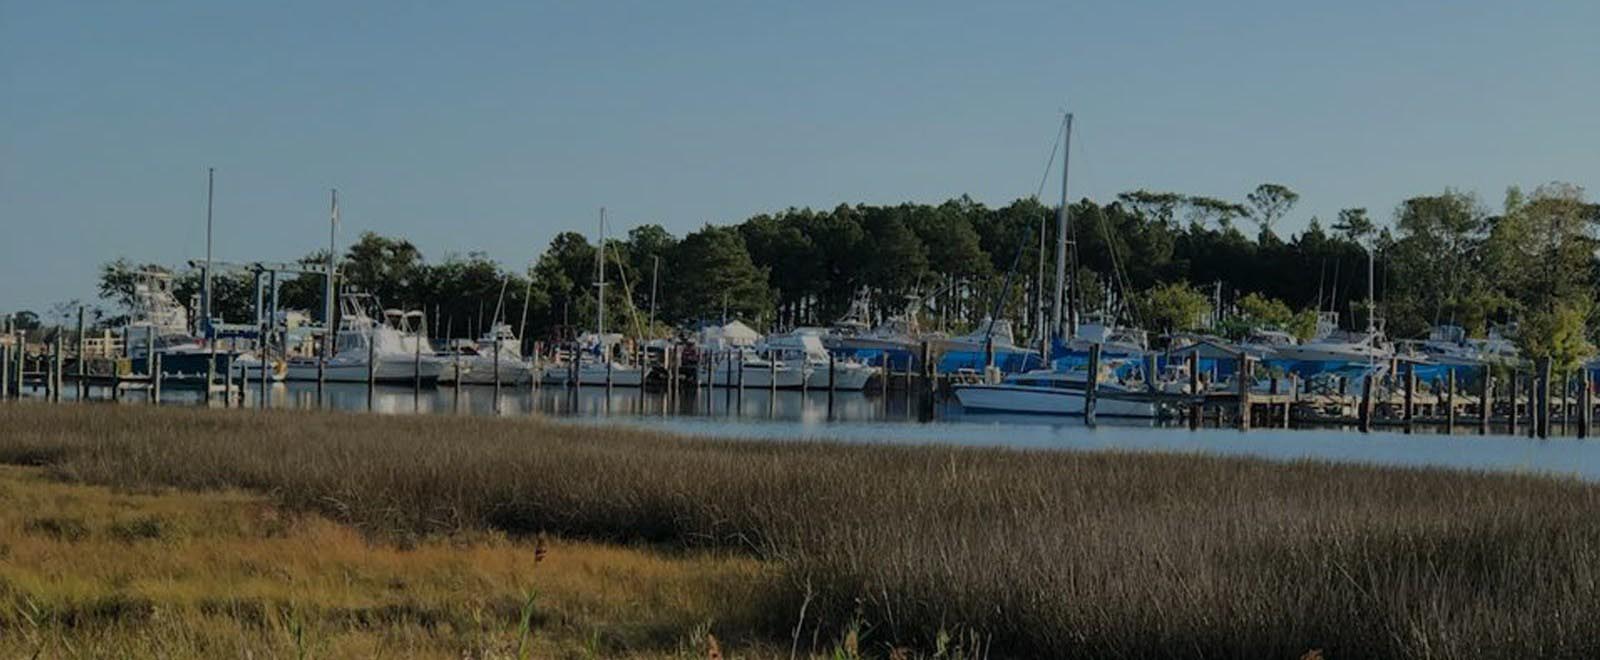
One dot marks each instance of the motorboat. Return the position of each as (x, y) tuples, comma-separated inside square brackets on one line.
[(594, 365), (1061, 391), (497, 350), (1340, 346), (744, 367), (397, 356), (1114, 340), (1265, 343), (804, 346)]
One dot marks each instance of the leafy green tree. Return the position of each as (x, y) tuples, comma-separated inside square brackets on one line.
[(1269, 203), (389, 268), (713, 272), (1173, 307), (1436, 275), (1542, 254)]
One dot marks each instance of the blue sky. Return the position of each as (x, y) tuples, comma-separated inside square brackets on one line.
[(491, 127)]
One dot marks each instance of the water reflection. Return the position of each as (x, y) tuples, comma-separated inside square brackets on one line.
[(897, 418)]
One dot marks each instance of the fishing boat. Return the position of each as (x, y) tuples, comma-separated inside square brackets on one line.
[(1062, 391), (397, 356), (805, 346), (497, 350)]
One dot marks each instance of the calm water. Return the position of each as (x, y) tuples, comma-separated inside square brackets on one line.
[(896, 418)]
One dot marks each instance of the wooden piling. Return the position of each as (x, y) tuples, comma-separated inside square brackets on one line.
[(1485, 400), (1288, 401), (1244, 378), (83, 364), (155, 383), (1364, 416), (1196, 408), (5, 372), (886, 375), (1091, 384), (1585, 401), (1515, 385), (1566, 401), (496, 365), (1450, 402), (1542, 391), (227, 381), (372, 370), (833, 368), (1410, 413)]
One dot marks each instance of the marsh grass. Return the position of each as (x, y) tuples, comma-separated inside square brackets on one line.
[(982, 551)]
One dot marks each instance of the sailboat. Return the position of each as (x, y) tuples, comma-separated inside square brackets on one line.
[(1341, 346), (1060, 389), (596, 364)]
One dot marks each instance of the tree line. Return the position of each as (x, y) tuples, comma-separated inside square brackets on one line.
[(1166, 261)]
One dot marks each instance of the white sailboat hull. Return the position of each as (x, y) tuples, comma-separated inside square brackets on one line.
[(1044, 401)]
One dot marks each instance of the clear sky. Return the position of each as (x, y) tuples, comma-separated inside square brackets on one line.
[(477, 126)]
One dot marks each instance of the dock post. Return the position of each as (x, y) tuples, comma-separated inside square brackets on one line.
[(1196, 405), (886, 376), (52, 389), (1486, 400), (372, 370), (1585, 401), (416, 369), (1450, 402), (833, 367), (1534, 415), (227, 381), (1364, 416), (1288, 403), (1409, 415), (5, 372), (496, 366), (1515, 390), (1091, 384), (155, 383), (1244, 376), (83, 364), (1566, 401), (1542, 390), (772, 377)]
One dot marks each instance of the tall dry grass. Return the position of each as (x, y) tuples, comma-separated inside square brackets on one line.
[(1021, 553)]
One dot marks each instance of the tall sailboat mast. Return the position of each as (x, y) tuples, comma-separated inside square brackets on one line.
[(1062, 222), (600, 284), (205, 299), (327, 294), (1372, 301)]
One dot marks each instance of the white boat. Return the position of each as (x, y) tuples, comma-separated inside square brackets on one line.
[(1058, 392), (1114, 340), (398, 356), (594, 372), (1340, 347), (748, 368), (805, 346), (478, 361), (1265, 343)]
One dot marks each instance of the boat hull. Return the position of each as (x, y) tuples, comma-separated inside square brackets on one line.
[(1044, 401), (404, 372), (848, 377), (761, 378)]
